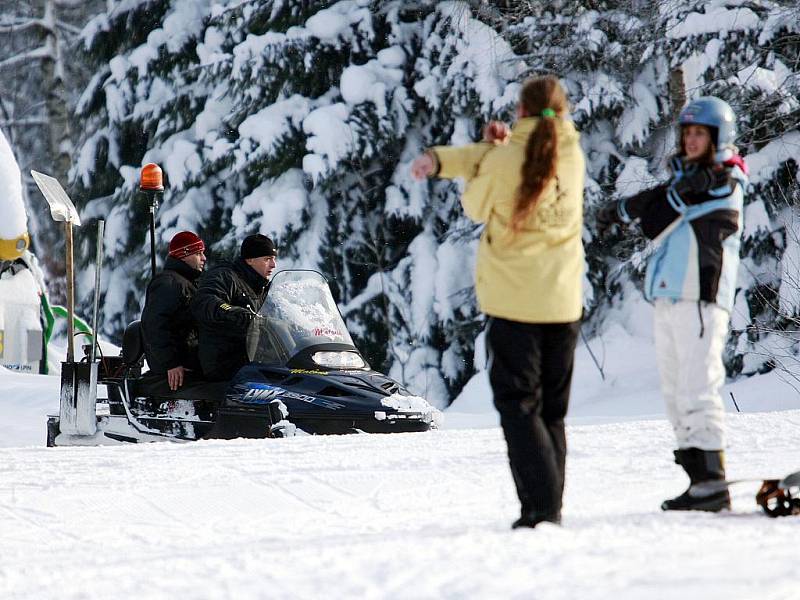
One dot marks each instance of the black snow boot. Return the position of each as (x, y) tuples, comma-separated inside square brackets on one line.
[(704, 468), (532, 519)]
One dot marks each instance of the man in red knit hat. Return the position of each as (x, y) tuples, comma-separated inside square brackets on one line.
[(169, 330)]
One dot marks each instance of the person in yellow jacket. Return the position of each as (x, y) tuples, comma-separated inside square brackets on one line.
[(525, 184)]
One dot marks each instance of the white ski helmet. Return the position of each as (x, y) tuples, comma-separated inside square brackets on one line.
[(715, 114)]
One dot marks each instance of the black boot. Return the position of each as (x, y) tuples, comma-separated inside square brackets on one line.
[(530, 519), (702, 467)]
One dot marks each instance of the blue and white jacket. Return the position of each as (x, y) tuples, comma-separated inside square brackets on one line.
[(696, 222)]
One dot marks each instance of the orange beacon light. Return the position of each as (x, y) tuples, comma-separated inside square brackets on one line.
[(151, 181), (151, 178)]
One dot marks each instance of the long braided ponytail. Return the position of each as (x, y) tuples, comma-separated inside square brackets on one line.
[(540, 97)]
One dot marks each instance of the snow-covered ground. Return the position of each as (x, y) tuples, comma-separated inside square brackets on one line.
[(397, 516)]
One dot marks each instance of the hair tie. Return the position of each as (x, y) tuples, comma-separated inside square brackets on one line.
[(548, 112)]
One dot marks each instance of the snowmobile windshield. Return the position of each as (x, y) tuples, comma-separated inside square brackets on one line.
[(300, 313)]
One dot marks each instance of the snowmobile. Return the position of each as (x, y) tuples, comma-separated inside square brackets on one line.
[(305, 375)]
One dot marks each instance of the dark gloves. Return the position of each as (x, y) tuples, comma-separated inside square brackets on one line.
[(607, 217), (701, 180), (241, 317)]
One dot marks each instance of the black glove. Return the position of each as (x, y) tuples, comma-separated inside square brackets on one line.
[(607, 217), (701, 180), (240, 316)]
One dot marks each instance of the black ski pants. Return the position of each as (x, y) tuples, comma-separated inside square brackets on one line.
[(530, 371)]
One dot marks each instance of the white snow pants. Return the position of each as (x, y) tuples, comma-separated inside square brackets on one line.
[(690, 338)]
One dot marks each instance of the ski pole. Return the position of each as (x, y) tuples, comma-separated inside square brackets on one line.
[(596, 364), (98, 267)]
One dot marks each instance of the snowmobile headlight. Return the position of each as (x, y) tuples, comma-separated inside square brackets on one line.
[(339, 360)]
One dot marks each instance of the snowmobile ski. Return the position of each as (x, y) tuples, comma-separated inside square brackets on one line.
[(790, 481)]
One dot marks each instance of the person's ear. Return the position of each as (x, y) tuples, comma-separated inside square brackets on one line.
[(522, 112)]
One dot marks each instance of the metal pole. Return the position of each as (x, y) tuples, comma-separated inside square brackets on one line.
[(153, 204), (70, 294), (97, 268)]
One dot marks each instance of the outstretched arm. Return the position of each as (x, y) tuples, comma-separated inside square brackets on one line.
[(649, 208), (211, 303), (460, 161)]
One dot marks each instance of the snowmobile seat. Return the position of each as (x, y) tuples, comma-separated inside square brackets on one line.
[(155, 386), (133, 345), (120, 374), (196, 390)]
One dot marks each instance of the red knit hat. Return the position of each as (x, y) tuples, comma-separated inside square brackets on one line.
[(185, 244)]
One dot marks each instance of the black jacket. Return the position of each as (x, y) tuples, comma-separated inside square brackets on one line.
[(169, 331), (227, 298)]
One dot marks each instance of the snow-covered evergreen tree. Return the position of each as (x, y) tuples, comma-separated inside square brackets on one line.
[(747, 56), (299, 120), (143, 96), (753, 64), (630, 66), (38, 83)]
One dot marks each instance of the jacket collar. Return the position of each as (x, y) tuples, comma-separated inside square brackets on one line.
[(180, 267), (734, 163), (253, 279)]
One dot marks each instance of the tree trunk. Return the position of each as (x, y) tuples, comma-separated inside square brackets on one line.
[(55, 98), (677, 92)]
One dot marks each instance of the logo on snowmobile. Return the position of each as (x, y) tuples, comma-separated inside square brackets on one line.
[(311, 400), (327, 332), (262, 393)]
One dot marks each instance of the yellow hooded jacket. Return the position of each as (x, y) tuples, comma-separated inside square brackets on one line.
[(535, 275)]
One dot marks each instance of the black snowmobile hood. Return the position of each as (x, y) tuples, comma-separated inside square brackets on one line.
[(320, 392)]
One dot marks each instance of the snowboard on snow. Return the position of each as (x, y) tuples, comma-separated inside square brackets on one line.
[(776, 497)]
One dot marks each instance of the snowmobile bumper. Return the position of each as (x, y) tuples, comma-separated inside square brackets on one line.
[(112, 429), (407, 423)]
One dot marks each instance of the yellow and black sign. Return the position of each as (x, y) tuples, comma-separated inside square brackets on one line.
[(13, 249)]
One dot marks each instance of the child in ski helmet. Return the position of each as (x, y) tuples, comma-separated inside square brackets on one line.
[(696, 220), (526, 185)]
